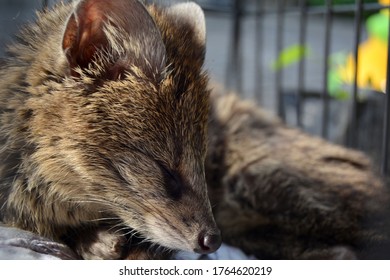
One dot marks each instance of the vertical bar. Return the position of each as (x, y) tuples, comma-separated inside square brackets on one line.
[(354, 132), (386, 123), (234, 69), (301, 65), (258, 92), (279, 47), (325, 93)]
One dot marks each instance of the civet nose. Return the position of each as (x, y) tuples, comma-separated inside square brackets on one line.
[(208, 243)]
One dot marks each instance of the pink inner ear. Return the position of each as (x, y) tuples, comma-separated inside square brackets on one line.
[(84, 36), (84, 33), (92, 18)]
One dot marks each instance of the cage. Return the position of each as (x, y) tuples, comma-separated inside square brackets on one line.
[(289, 56)]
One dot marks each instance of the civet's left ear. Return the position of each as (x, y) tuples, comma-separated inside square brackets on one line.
[(123, 28)]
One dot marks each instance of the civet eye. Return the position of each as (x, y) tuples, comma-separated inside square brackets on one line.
[(173, 183)]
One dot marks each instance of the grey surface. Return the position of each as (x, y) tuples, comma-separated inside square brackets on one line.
[(16, 244), (23, 245), (8, 252)]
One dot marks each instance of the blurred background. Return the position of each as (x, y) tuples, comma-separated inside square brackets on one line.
[(320, 65)]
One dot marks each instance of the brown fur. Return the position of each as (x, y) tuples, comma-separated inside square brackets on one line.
[(103, 121), (280, 193)]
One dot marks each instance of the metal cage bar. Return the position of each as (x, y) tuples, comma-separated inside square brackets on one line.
[(301, 65), (259, 22), (234, 69), (354, 133), (386, 123), (279, 46), (325, 94)]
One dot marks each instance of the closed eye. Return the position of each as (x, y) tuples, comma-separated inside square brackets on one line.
[(173, 183)]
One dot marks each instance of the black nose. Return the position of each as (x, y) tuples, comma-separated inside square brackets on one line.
[(208, 243)]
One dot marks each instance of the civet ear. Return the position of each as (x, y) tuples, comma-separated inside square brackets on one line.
[(121, 28), (191, 14)]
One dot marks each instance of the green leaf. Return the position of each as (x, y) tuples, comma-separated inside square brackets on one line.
[(290, 55)]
